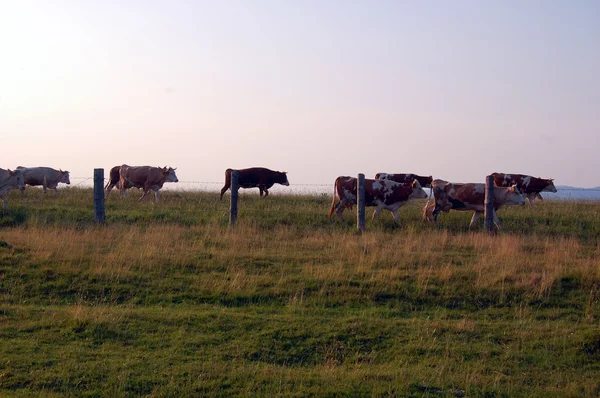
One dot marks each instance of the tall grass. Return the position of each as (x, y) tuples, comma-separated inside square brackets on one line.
[(167, 300)]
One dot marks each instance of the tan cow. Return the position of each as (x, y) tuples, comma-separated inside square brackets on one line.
[(384, 194), (47, 177), (469, 197), (145, 177), (10, 179)]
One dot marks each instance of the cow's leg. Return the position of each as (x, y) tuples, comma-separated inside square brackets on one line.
[(339, 209), (474, 219), (436, 211), (146, 192), (428, 211), (333, 208), (45, 184), (377, 211), (4, 200), (497, 221), (396, 216), (266, 192), (109, 188), (156, 195)]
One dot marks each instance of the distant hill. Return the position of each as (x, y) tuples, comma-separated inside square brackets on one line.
[(566, 192)]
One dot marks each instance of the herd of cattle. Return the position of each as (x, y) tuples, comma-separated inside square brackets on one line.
[(385, 192)]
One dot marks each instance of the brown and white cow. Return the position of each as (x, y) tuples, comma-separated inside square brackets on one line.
[(47, 177), (384, 194), (114, 178), (145, 177), (425, 181), (528, 185), (10, 179), (256, 177), (469, 197)]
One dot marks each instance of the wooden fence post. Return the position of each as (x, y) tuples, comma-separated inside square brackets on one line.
[(233, 206), (99, 215), (360, 202), (489, 204)]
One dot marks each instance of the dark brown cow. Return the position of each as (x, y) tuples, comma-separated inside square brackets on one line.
[(145, 177), (528, 185), (469, 197), (425, 181), (256, 177), (114, 178), (385, 194)]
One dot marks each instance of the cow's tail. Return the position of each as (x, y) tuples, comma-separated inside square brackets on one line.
[(333, 200)]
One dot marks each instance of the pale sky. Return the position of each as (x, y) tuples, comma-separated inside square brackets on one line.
[(453, 89)]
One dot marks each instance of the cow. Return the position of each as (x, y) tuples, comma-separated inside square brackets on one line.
[(384, 194), (256, 177), (425, 181), (528, 185), (114, 178), (145, 177), (47, 177), (469, 197), (10, 179)]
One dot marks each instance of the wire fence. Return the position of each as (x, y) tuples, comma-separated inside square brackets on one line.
[(327, 189)]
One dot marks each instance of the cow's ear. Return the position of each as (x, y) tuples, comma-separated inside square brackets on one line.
[(12, 173)]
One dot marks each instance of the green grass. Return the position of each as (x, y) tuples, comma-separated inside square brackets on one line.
[(167, 299)]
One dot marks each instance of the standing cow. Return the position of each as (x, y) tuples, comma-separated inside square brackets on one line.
[(47, 177), (10, 179), (425, 181), (256, 177), (528, 185), (384, 194), (469, 197), (145, 177)]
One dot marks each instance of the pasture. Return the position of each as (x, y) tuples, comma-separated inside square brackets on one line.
[(167, 300)]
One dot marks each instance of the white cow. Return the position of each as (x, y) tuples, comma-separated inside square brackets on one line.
[(47, 177), (10, 180)]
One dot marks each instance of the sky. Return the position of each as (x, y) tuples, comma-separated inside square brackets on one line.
[(453, 89)]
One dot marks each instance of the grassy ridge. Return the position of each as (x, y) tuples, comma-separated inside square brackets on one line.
[(167, 300)]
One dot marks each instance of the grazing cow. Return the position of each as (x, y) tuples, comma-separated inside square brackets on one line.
[(384, 194), (528, 185), (406, 178), (469, 197), (256, 177), (10, 180), (47, 177), (145, 177), (114, 179)]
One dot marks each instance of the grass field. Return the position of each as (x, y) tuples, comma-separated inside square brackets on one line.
[(167, 300)]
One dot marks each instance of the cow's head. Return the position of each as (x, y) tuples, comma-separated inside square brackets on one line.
[(64, 177), (170, 174), (514, 196), (283, 180), (20, 180), (550, 186), (418, 192)]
